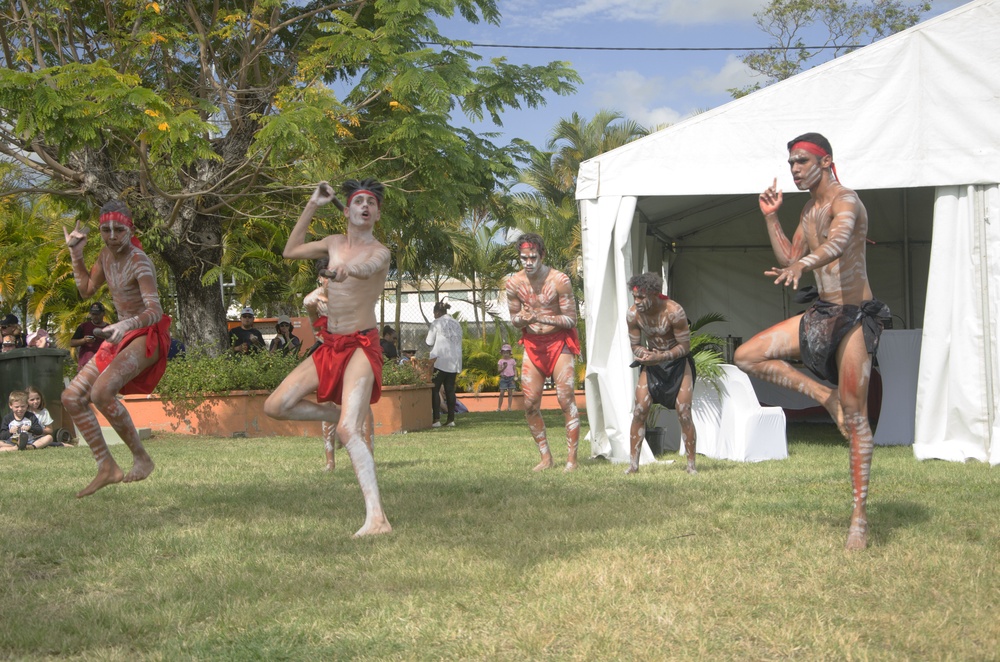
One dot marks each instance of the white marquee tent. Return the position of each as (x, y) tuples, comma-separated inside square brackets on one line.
[(914, 121)]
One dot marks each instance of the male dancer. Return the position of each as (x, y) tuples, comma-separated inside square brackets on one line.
[(542, 305), (134, 353), (668, 374), (315, 305), (838, 336), (346, 370)]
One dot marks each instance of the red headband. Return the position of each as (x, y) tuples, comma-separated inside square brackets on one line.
[(119, 217), (815, 149), (662, 297), (527, 244), (364, 190)]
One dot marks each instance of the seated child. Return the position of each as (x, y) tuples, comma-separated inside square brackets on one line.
[(36, 405), (20, 427)]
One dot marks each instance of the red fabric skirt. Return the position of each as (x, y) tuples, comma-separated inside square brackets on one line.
[(544, 349), (157, 337), (331, 360)]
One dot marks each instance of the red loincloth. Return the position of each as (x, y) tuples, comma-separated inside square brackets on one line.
[(157, 337), (331, 360), (544, 348)]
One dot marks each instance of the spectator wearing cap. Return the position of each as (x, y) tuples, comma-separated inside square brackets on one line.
[(10, 326), (84, 340), (285, 342), (40, 339), (245, 339)]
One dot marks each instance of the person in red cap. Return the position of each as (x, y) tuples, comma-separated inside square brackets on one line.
[(345, 371), (667, 369), (84, 340), (542, 305), (134, 355), (838, 336)]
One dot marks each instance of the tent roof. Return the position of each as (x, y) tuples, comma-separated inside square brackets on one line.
[(916, 109)]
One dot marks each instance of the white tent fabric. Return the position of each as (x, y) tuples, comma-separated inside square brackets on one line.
[(906, 116), (957, 393)]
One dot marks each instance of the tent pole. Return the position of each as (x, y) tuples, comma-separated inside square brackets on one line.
[(980, 219), (907, 285)]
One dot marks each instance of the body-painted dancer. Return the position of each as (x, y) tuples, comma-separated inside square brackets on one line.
[(542, 305), (315, 305), (667, 376), (345, 372), (134, 353), (838, 336)]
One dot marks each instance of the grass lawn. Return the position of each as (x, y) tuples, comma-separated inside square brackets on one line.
[(241, 549)]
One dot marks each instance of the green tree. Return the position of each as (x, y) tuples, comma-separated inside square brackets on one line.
[(213, 120), (836, 25)]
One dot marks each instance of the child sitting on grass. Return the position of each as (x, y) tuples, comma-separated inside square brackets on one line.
[(36, 405), (20, 428)]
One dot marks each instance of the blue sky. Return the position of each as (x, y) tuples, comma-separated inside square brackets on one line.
[(648, 87)]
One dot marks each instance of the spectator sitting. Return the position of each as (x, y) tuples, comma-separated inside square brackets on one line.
[(10, 326), (84, 340), (408, 355), (36, 405), (9, 344), (388, 341), (285, 342), (20, 428), (40, 339), (245, 339)]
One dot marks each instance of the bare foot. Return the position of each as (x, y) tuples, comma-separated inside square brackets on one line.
[(329, 466), (104, 477), (690, 468), (570, 466), (546, 463), (857, 534), (632, 469), (141, 468), (374, 528)]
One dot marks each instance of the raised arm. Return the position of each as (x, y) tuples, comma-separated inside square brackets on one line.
[(785, 251), (297, 247), (87, 282)]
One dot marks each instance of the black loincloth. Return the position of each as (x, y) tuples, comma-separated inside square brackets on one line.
[(823, 327), (664, 379)]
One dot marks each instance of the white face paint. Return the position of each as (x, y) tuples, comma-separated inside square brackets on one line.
[(805, 167), (116, 236), (531, 261)]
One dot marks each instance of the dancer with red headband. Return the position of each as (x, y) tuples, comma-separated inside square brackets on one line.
[(134, 353), (667, 370), (838, 336), (345, 371), (542, 305)]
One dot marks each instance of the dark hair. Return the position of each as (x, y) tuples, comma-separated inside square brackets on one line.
[(815, 139), (387, 330), (647, 283), (441, 307), (118, 206), (352, 185), (533, 240)]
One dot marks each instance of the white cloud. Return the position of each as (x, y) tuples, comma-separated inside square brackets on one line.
[(733, 74), (640, 98)]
